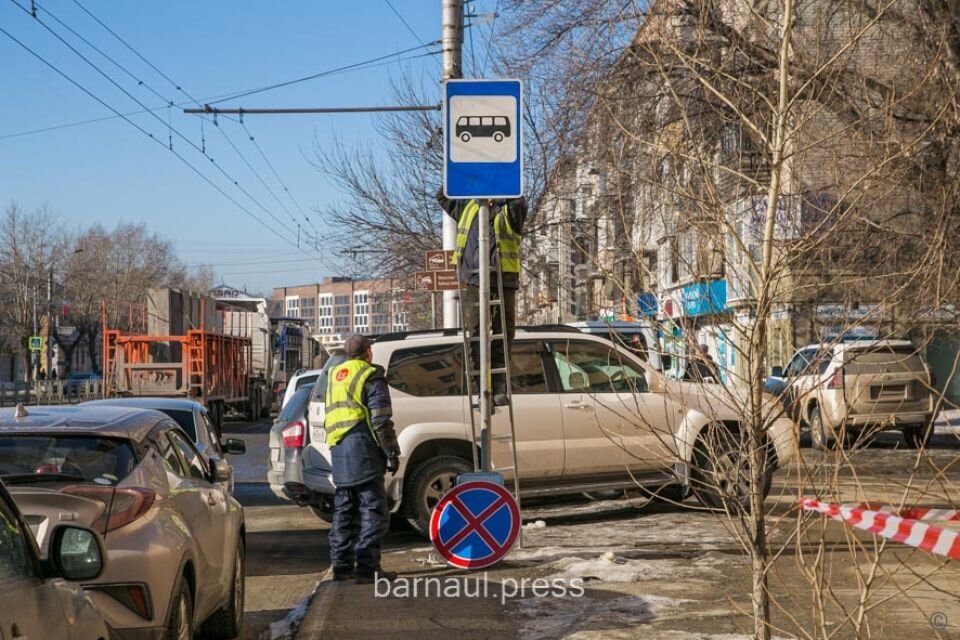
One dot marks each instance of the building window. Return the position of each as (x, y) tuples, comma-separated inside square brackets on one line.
[(399, 312), (325, 313), (293, 307), (308, 310), (361, 312), (341, 314)]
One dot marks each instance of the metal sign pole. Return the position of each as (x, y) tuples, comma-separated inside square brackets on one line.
[(484, 335)]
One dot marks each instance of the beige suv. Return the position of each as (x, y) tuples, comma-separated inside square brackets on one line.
[(589, 417), (846, 389)]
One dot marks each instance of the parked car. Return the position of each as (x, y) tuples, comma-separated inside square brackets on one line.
[(287, 436), (590, 417), (297, 380), (840, 390), (78, 381), (36, 599), (195, 421), (174, 537)]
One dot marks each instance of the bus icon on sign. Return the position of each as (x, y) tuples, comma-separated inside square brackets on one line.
[(496, 127)]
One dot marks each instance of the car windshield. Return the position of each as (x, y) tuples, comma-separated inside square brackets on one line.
[(297, 405), (184, 418), (32, 458)]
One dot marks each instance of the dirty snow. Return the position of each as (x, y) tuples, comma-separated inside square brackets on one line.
[(612, 567), (586, 618), (286, 629)]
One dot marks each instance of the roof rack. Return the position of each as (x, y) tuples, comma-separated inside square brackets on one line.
[(537, 328), (447, 333)]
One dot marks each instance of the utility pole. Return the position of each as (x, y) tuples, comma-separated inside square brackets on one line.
[(451, 44)]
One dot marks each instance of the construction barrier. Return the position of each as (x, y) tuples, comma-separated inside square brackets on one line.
[(909, 531)]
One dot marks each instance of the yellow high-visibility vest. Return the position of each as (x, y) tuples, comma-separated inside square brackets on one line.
[(344, 407), (508, 241)]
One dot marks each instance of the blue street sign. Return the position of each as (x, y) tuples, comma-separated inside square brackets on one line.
[(475, 524), (482, 134)]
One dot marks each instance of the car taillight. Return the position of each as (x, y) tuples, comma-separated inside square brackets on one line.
[(836, 380), (122, 505), (294, 435)]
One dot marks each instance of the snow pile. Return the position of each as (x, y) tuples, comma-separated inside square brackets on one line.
[(286, 629), (612, 567), (539, 524), (587, 618)]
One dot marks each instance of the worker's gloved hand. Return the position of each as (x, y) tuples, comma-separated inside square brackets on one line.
[(393, 459)]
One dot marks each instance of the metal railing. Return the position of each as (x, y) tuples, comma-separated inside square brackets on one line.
[(50, 392)]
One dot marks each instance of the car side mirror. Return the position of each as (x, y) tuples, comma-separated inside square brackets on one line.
[(234, 446), (76, 553), (220, 470), (776, 372)]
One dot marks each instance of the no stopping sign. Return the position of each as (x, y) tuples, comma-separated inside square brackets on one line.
[(475, 524)]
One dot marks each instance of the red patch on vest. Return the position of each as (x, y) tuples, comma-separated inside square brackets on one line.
[(342, 374)]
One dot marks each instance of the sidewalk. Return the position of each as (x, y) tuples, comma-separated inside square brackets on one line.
[(652, 572)]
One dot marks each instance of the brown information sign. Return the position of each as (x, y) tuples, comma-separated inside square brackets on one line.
[(439, 260), (436, 280)]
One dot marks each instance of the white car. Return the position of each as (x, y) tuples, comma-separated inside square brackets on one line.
[(297, 380), (589, 416), (195, 421)]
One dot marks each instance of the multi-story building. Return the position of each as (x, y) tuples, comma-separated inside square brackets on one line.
[(659, 210), (338, 306)]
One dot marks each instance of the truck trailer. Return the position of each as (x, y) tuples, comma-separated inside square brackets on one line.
[(192, 347)]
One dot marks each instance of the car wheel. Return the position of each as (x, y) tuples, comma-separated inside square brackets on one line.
[(820, 436), (180, 622), (720, 476), (227, 622), (498, 137), (917, 436), (465, 136), (427, 485)]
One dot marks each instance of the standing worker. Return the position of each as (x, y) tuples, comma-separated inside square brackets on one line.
[(363, 445), (506, 231)]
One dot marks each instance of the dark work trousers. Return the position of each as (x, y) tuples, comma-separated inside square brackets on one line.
[(361, 519), (471, 322)]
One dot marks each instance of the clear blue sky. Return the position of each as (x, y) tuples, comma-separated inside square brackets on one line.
[(109, 172)]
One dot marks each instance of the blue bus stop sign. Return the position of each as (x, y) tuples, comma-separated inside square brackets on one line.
[(482, 131)]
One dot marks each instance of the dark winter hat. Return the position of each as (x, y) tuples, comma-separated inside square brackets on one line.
[(356, 345)]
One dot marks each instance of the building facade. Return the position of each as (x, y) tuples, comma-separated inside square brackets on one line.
[(336, 307), (658, 212)]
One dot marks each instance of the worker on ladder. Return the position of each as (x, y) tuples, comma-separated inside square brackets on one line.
[(506, 220)]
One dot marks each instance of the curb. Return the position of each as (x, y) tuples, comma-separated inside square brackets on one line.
[(319, 611)]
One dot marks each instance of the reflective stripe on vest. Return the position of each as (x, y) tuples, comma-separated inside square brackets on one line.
[(344, 407), (508, 241)]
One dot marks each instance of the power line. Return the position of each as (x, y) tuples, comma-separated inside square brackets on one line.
[(321, 74), (179, 104), (256, 144), (180, 135), (405, 23), (177, 86), (144, 132)]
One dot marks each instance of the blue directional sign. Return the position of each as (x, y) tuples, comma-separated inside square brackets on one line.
[(482, 132), (475, 524)]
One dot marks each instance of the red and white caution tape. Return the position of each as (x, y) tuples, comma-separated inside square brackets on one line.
[(915, 513), (911, 532)]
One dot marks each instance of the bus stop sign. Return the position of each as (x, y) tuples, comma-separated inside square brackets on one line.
[(482, 141)]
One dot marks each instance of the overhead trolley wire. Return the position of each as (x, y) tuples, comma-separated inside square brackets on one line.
[(178, 155)]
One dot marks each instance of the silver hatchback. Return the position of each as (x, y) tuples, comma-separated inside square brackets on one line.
[(174, 535)]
